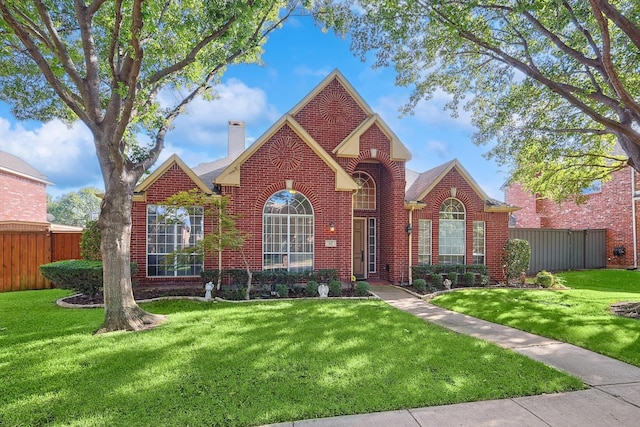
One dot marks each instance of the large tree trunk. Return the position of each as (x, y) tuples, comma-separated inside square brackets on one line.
[(121, 310)]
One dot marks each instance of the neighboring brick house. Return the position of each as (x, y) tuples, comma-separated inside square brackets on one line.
[(23, 193), (324, 187), (611, 206)]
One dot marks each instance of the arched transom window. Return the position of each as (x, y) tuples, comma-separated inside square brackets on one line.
[(287, 232), (452, 232), (365, 197)]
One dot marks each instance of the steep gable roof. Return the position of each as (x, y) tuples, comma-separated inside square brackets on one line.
[(16, 166), (231, 174), (350, 146), (426, 181), (171, 161)]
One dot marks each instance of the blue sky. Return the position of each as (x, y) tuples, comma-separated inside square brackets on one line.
[(297, 57)]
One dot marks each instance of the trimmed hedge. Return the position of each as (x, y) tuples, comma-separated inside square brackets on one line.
[(422, 271), (83, 276)]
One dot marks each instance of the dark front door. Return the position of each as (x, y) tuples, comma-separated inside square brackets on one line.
[(359, 245)]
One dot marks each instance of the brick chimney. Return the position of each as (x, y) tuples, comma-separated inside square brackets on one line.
[(236, 139)]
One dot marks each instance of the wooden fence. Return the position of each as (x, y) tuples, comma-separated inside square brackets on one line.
[(22, 253)]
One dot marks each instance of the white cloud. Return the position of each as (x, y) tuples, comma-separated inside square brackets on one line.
[(66, 155), (303, 70)]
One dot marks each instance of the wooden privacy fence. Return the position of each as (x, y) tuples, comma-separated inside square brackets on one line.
[(563, 249), (22, 253)]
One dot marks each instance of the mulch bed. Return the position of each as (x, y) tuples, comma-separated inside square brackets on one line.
[(146, 293), (623, 309)]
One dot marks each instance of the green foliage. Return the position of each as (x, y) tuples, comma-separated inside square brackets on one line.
[(53, 352), (335, 288), (90, 242), (420, 285), (83, 276), (209, 276), (424, 270), (362, 289), (282, 290), (75, 209), (468, 279), (484, 280), (515, 258), (325, 275), (453, 276), (436, 280), (311, 289), (545, 279), (545, 88), (581, 317)]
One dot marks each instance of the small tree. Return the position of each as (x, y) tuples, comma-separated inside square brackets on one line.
[(90, 242), (224, 235), (515, 258)]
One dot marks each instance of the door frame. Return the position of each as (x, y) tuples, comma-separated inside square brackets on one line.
[(363, 246)]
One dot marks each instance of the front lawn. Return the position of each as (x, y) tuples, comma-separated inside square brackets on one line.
[(579, 316), (225, 364)]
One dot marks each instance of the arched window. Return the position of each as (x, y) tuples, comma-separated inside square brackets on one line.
[(452, 232), (365, 197), (287, 232)]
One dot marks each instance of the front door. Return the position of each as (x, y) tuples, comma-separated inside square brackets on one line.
[(359, 245)]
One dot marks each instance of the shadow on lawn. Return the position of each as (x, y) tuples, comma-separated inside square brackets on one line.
[(241, 364)]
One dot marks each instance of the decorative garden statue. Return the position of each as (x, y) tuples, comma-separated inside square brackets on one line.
[(208, 288)]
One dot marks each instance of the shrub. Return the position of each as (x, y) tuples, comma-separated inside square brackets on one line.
[(420, 285), (209, 276), (545, 279), (83, 276), (282, 290), (90, 242), (311, 290), (436, 279), (335, 288), (453, 276), (362, 289), (324, 275), (468, 279), (515, 258), (481, 269)]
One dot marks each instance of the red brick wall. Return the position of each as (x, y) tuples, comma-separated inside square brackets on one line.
[(496, 223), (331, 116), (22, 199), (265, 173), (173, 181), (610, 209)]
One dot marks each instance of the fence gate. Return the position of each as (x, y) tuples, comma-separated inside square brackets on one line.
[(563, 249)]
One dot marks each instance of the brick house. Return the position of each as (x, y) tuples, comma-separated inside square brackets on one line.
[(611, 205), (325, 187), (23, 194)]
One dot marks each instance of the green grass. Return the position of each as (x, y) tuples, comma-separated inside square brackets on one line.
[(227, 364), (578, 316)]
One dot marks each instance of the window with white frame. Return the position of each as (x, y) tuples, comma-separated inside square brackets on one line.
[(372, 245), (365, 197), (479, 245), (451, 232), (171, 231), (287, 232), (424, 241)]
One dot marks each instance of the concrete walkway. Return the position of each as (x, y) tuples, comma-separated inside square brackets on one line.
[(612, 400)]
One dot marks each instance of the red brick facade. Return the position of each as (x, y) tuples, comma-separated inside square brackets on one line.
[(610, 209), (315, 150), (22, 199)]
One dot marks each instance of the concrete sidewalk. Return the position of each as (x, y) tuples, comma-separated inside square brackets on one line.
[(612, 400)]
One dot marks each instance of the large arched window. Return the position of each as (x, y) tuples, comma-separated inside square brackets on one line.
[(287, 232), (365, 197), (452, 232)]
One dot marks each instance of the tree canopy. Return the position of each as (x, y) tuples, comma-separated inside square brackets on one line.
[(126, 69), (552, 85), (75, 208)]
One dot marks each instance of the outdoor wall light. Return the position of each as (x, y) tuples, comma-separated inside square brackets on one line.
[(408, 229), (332, 227)]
